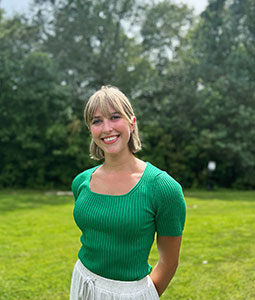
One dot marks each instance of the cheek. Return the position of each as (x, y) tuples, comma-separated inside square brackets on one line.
[(124, 127), (95, 131)]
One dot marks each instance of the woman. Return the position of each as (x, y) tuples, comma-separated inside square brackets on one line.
[(119, 206)]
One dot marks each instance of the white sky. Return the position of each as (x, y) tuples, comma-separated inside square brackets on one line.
[(12, 6)]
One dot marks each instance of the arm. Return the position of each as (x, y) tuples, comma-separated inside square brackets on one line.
[(168, 249)]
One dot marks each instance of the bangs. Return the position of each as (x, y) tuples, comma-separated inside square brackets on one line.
[(104, 101)]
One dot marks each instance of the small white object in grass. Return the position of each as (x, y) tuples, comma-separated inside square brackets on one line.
[(64, 193), (204, 262), (195, 206)]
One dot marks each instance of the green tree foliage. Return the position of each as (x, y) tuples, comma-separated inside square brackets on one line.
[(203, 100), (223, 47), (191, 81), (166, 104), (35, 117), (89, 41)]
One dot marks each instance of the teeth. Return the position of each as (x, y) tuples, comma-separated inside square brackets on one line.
[(110, 139)]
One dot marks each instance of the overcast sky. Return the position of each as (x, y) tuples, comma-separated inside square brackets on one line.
[(12, 6)]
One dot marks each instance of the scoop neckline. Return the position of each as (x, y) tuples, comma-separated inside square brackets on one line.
[(121, 195)]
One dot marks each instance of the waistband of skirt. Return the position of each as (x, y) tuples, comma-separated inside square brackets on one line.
[(113, 285)]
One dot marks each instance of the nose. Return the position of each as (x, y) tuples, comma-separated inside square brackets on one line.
[(107, 126)]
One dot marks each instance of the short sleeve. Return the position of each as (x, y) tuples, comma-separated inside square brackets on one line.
[(75, 186), (170, 206)]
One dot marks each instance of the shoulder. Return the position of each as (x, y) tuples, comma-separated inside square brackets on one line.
[(152, 171), (162, 178), (79, 179), (81, 176), (169, 204), (164, 186), (167, 184)]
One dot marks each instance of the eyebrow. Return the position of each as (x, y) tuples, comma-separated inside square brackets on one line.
[(114, 113)]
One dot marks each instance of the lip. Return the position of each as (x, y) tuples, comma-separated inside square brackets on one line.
[(116, 137)]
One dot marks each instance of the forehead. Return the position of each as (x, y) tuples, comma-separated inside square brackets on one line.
[(106, 111), (104, 105)]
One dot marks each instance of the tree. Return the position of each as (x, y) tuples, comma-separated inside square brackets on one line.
[(192, 86), (91, 46), (225, 78), (35, 116)]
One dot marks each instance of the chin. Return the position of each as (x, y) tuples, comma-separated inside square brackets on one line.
[(114, 152)]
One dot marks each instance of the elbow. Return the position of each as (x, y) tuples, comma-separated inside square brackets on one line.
[(174, 265), (170, 266)]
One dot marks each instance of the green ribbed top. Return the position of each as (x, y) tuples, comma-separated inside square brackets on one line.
[(118, 231)]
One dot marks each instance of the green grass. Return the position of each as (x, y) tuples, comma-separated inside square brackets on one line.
[(39, 242)]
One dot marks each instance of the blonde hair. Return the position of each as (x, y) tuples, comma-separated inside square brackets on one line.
[(109, 96)]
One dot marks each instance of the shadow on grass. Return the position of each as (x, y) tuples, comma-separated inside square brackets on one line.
[(23, 199), (222, 195)]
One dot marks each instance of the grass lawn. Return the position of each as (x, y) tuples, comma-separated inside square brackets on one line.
[(39, 242)]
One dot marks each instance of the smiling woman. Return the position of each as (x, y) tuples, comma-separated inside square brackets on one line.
[(108, 111), (112, 133), (119, 206)]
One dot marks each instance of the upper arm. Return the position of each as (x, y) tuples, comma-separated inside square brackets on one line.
[(170, 206), (75, 186)]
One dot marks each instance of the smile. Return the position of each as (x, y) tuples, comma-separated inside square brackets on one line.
[(110, 139)]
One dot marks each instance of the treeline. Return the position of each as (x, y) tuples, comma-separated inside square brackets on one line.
[(191, 81)]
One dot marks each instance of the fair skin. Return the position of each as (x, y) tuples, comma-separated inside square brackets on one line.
[(112, 134), (163, 272), (120, 165)]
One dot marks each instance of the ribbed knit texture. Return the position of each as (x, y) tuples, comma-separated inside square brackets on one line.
[(118, 231)]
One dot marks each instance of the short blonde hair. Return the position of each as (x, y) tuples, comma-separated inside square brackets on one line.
[(110, 96)]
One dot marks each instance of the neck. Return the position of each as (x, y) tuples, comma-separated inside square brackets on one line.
[(120, 162)]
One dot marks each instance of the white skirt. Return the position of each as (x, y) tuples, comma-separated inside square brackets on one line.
[(86, 285)]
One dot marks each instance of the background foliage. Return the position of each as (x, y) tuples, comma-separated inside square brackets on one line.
[(191, 81)]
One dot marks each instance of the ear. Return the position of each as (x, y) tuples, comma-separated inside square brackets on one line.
[(133, 119)]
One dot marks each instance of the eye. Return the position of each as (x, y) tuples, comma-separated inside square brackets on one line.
[(96, 121), (115, 117)]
